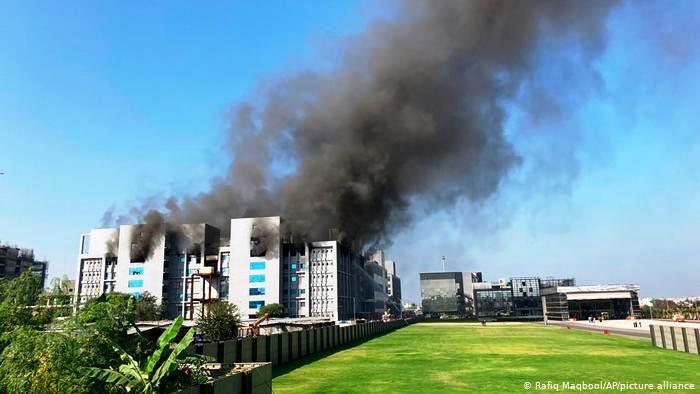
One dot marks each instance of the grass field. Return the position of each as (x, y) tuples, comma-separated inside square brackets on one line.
[(443, 357)]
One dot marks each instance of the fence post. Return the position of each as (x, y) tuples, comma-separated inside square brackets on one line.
[(673, 338), (663, 336)]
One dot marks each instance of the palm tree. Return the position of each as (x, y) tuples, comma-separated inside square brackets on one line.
[(147, 378)]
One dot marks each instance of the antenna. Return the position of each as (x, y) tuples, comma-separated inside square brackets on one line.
[(443, 263)]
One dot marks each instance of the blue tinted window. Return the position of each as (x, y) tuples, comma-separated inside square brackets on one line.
[(257, 265), (256, 304), (136, 283), (257, 278), (294, 266), (293, 291), (294, 278), (136, 271), (136, 294), (256, 291)]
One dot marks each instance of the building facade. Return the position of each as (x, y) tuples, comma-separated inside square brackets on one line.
[(582, 302), (188, 266), (14, 261), (442, 293)]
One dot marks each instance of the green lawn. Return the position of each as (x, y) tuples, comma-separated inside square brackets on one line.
[(501, 357)]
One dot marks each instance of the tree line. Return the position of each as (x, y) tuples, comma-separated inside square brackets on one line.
[(46, 348)]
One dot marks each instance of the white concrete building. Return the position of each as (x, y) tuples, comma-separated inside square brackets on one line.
[(187, 266), (255, 263), (177, 264)]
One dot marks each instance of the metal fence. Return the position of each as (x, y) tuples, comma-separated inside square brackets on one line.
[(682, 339)]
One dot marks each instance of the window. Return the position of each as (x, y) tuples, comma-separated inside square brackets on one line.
[(256, 304), (257, 265), (85, 245), (302, 291), (294, 278), (223, 286), (254, 291), (294, 266), (136, 271), (257, 278), (293, 304), (293, 292), (224, 270), (136, 294), (302, 304), (135, 283)]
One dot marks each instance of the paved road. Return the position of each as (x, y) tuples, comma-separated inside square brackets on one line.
[(600, 327)]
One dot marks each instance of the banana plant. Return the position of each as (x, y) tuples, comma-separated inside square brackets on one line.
[(147, 378)]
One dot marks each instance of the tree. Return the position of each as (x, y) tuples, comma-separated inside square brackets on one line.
[(220, 322), (274, 310), (147, 308), (147, 377), (16, 296), (42, 362), (111, 315), (23, 290)]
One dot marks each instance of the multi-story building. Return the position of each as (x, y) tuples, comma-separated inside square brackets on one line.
[(177, 264), (492, 299), (186, 266), (14, 261), (442, 293), (393, 288), (526, 296)]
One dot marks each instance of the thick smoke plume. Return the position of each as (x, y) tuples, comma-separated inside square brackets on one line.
[(413, 112)]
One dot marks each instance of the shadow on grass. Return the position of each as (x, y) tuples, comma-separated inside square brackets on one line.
[(283, 369)]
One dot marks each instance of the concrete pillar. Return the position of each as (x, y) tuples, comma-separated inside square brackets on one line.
[(663, 337)]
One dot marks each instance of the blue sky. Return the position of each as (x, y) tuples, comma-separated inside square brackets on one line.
[(106, 105)]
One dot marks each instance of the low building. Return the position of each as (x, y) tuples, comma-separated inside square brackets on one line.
[(582, 302), (14, 261)]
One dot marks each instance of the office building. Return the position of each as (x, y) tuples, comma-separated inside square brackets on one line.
[(393, 288), (14, 261), (582, 302), (177, 264), (187, 266), (442, 293)]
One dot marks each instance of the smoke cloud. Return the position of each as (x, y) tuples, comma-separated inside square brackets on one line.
[(413, 111)]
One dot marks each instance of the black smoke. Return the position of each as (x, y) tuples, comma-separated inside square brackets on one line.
[(413, 111)]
